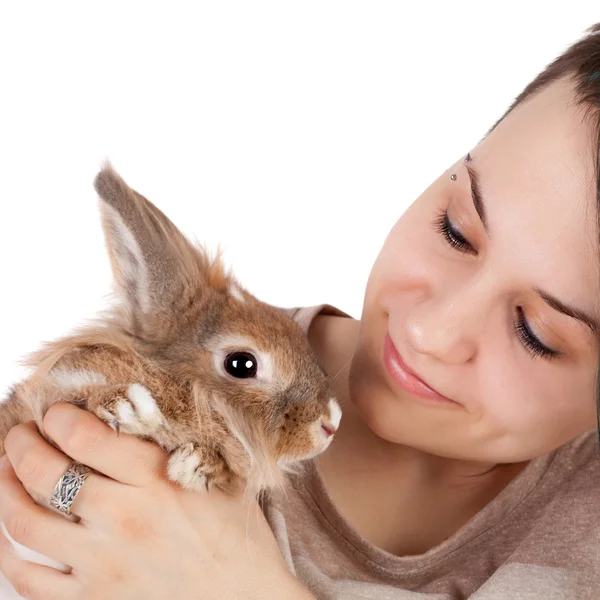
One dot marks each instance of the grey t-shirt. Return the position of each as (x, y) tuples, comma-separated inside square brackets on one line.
[(538, 539)]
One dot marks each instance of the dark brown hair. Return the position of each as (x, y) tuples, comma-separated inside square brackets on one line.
[(581, 61)]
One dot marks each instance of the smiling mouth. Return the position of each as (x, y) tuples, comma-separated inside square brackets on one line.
[(406, 379)]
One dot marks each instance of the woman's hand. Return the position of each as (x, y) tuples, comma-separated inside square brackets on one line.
[(140, 536)]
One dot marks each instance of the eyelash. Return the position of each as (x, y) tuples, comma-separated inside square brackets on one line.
[(453, 237)]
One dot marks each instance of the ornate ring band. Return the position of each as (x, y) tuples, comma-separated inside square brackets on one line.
[(68, 487)]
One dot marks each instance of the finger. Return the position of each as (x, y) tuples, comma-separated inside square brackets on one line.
[(40, 529), (33, 581), (39, 466), (90, 441)]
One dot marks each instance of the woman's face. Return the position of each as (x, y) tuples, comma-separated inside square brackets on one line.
[(469, 301)]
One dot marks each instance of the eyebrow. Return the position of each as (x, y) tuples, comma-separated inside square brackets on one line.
[(552, 301), (476, 196), (570, 311)]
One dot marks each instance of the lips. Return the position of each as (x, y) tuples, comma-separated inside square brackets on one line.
[(406, 378), (411, 372)]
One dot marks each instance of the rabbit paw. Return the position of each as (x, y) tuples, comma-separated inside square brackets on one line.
[(133, 410), (189, 467)]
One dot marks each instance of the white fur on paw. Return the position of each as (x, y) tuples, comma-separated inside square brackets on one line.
[(137, 413), (145, 405), (186, 469)]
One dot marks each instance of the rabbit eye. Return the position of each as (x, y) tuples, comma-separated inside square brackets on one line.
[(241, 365)]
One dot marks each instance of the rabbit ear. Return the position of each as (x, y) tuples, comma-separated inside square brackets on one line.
[(153, 264)]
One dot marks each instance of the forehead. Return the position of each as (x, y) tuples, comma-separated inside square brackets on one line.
[(539, 187)]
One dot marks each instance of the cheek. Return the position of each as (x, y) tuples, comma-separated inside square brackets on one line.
[(530, 410), (517, 413)]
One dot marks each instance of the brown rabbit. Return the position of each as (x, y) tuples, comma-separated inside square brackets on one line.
[(224, 382)]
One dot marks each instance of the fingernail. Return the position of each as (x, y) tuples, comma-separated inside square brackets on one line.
[(3, 463)]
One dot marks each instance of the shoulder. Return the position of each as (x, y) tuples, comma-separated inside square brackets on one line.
[(576, 470), (306, 315), (332, 335), (565, 505)]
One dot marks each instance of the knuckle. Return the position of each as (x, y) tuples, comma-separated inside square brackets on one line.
[(82, 437), (135, 526), (29, 466), (18, 524), (136, 516), (72, 428), (10, 435), (22, 584), (14, 432)]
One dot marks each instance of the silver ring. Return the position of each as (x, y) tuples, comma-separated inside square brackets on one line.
[(68, 487)]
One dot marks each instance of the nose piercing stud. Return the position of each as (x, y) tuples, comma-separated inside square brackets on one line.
[(453, 176)]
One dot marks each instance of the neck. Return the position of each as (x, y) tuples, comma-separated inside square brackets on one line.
[(403, 500)]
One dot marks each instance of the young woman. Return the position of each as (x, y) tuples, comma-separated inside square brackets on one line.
[(466, 464)]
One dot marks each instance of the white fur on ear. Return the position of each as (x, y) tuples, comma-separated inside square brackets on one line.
[(235, 291), (127, 255)]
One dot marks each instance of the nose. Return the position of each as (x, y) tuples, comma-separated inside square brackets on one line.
[(331, 422), (447, 329)]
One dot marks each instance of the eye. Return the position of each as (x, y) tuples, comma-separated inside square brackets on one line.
[(530, 340), (241, 365), (444, 226)]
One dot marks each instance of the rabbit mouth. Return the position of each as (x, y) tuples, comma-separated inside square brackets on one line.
[(319, 432), (326, 428), (330, 424)]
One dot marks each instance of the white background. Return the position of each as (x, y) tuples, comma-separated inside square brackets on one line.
[(293, 133)]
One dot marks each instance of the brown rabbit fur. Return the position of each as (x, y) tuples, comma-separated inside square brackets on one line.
[(153, 365)]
